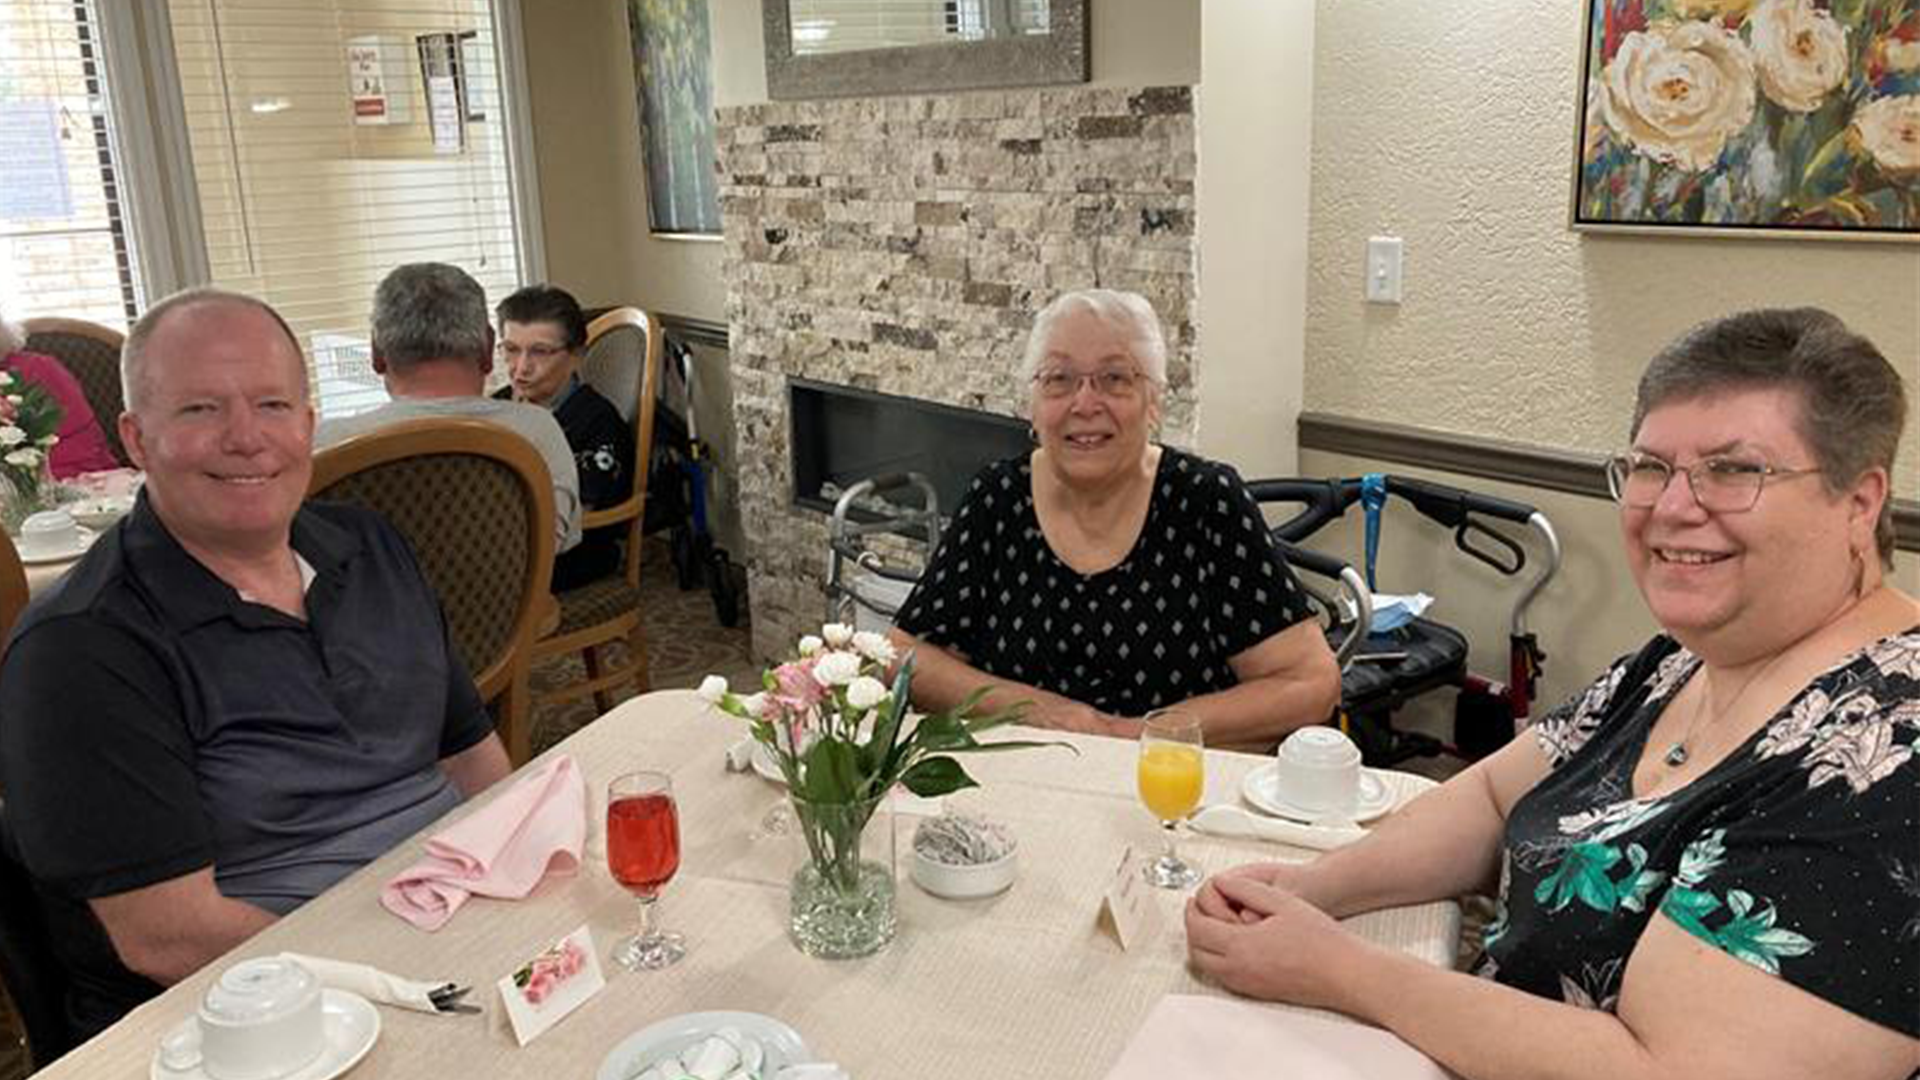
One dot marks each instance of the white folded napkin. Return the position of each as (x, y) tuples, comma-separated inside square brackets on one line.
[(1229, 1039), (1238, 823), (369, 982)]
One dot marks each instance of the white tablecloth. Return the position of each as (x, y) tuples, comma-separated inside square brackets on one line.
[(1019, 985)]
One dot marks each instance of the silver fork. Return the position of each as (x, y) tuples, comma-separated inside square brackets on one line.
[(446, 998)]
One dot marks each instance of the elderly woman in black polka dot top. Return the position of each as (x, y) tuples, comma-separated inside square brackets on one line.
[(1102, 576), (1709, 862)]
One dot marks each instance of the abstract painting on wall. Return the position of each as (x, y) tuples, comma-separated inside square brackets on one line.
[(1751, 117), (672, 66)]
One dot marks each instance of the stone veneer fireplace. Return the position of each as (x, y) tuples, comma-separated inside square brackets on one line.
[(901, 245)]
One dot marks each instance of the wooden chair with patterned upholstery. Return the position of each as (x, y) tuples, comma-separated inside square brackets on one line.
[(622, 362), (92, 353), (475, 501)]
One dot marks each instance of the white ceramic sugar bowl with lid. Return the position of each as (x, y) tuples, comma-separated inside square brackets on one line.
[(260, 1020)]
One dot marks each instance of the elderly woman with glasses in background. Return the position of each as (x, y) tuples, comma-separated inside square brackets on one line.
[(1707, 862), (1103, 576)]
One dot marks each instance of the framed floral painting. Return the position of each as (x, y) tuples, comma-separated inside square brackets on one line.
[(1751, 117)]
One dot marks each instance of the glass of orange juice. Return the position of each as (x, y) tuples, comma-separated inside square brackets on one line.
[(1172, 775)]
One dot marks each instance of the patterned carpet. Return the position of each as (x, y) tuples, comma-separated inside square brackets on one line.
[(685, 642)]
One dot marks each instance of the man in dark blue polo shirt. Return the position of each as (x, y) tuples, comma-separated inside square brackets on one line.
[(233, 701)]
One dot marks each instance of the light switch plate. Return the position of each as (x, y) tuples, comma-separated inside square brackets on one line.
[(1383, 269)]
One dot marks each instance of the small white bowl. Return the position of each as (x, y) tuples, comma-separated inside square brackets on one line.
[(967, 881)]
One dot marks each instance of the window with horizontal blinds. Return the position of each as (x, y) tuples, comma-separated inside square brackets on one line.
[(823, 26), (333, 140), (64, 245)]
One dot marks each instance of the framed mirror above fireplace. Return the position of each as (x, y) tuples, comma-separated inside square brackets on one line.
[(852, 48)]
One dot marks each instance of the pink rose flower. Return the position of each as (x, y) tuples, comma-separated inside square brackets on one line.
[(797, 690), (539, 986)]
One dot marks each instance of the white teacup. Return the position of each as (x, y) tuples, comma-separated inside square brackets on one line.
[(1318, 770), (47, 534), (259, 1021)]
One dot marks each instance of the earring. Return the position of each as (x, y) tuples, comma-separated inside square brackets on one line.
[(1032, 435), (1859, 573)]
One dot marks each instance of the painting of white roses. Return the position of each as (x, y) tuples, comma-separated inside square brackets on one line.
[(1754, 117)]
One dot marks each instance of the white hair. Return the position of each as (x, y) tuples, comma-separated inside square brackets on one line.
[(1125, 312)]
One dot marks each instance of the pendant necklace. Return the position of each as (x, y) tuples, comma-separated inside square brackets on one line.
[(1678, 751)]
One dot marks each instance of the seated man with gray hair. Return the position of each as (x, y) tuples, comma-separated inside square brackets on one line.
[(234, 699), (433, 344)]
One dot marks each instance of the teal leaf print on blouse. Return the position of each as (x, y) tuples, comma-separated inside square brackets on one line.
[(1582, 874), (1750, 933), (1585, 874)]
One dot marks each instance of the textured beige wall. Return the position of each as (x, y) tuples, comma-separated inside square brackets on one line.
[(1450, 123), (1254, 121)]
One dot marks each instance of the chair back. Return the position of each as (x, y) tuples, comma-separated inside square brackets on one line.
[(622, 362), (13, 589), (92, 353), (475, 502), (34, 977)]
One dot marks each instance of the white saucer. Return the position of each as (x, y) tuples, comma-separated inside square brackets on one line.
[(1261, 789), (781, 1044), (350, 1022), (83, 539), (764, 764)]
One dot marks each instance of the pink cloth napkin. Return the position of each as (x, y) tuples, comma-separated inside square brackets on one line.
[(1228, 1038), (502, 850)]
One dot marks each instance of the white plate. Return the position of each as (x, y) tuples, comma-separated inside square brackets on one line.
[(83, 539), (1261, 789), (671, 1037), (350, 1022)]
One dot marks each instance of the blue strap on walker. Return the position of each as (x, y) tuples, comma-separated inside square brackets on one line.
[(1373, 497)]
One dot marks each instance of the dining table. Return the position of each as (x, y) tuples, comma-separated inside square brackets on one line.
[(1026, 983)]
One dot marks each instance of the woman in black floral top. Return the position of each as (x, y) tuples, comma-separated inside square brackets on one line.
[(1103, 576), (1708, 863)]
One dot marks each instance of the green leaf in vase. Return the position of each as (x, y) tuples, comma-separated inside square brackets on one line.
[(933, 777)]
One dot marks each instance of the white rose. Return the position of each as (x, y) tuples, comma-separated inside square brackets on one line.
[(836, 669), (26, 458), (837, 634), (1903, 55), (712, 689), (1677, 91), (754, 705), (810, 645), (17, 399), (1801, 53), (1889, 128), (865, 692), (873, 646), (12, 436)]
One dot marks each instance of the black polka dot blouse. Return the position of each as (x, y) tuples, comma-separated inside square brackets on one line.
[(1202, 583)]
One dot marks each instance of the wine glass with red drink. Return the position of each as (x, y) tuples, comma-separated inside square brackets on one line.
[(643, 852)]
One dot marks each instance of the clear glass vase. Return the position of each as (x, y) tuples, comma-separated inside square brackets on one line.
[(842, 903), (24, 492)]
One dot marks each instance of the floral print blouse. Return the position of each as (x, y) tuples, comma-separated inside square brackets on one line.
[(1799, 853)]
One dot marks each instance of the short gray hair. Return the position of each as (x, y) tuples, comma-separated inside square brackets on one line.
[(430, 311), (1853, 404), (1128, 313), (133, 352)]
